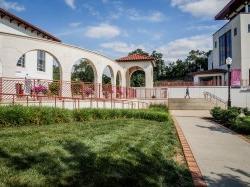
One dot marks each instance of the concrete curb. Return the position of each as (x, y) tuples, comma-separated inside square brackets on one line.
[(192, 164)]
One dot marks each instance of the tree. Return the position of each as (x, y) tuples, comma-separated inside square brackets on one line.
[(159, 65), (106, 79), (56, 73), (138, 51), (138, 79), (83, 71), (159, 68), (197, 60)]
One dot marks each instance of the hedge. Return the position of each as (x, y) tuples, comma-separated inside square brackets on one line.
[(230, 118), (21, 115)]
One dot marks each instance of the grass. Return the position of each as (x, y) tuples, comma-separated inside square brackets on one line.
[(120, 152)]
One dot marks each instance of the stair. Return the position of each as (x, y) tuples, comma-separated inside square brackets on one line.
[(189, 104)]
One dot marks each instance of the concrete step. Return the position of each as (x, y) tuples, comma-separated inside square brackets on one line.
[(189, 104), (177, 100)]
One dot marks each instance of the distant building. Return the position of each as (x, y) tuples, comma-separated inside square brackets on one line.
[(232, 40)]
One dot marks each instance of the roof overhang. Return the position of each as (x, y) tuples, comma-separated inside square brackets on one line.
[(210, 72), (229, 9), (20, 21)]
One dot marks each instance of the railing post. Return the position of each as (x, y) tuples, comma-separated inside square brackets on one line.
[(111, 100), (27, 100), (55, 102), (63, 104), (13, 99), (99, 90), (91, 101)]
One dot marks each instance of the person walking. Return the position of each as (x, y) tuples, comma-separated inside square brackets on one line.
[(187, 93)]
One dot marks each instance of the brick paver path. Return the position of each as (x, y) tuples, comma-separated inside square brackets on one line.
[(222, 156)]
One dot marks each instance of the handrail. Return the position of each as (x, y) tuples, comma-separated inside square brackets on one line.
[(28, 99), (215, 99)]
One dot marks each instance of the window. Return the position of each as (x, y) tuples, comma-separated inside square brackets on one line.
[(249, 28), (235, 32), (248, 8), (215, 44), (21, 61), (41, 61), (225, 47)]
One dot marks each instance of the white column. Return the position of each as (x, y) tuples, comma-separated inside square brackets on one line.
[(149, 77)]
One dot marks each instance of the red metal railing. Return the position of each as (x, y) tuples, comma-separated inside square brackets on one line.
[(81, 90), (62, 88), (71, 102)]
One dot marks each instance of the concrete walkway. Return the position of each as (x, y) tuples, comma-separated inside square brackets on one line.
[(223, 157)]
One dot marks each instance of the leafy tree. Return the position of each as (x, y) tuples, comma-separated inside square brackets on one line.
[(83, 71), (138, 79), (56, 72), (159, 65), (139, 51), (159, 68), (197, 60), (106, 79)]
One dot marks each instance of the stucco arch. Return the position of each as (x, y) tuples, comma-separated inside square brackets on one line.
[(131, 71), (118, 78), (13, 46), (111, 72), (89, 62), (47, 52)]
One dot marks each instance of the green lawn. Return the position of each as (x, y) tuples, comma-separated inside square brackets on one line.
[(102, 153)]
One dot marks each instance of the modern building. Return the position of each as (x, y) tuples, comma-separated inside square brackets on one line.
[(232, 40)]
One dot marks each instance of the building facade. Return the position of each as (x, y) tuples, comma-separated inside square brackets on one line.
[(232, 40), (29, 52)]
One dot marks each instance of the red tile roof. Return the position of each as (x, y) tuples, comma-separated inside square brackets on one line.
[(27, 25), (135, 57)]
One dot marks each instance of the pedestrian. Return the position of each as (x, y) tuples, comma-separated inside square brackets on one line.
[(187, 93)]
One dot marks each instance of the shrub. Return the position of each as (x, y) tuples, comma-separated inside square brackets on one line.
[(217, 113), (20, 115), (97, 114), (54, 88), (230, 118), (158, 107)]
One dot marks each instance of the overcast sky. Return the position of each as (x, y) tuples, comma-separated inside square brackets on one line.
[(116, 27)]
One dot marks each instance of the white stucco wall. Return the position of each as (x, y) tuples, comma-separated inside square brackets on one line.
[(12, 47), (146, 66), (240, 98), (13, 28), (30, 69), (245, 47)]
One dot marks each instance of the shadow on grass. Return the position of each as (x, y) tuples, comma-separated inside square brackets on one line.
[(82, 167)]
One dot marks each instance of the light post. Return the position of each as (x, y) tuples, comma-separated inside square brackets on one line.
[(229, 63)]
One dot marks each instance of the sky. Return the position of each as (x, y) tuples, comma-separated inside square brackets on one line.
[(116, 27)]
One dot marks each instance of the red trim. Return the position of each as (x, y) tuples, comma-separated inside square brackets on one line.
[(33, 28)]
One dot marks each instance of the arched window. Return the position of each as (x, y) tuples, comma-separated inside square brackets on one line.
[(41, 55), (21, 61)]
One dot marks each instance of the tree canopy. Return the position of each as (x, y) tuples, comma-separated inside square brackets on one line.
[(195, 61), (83, 71), (180, 69)]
